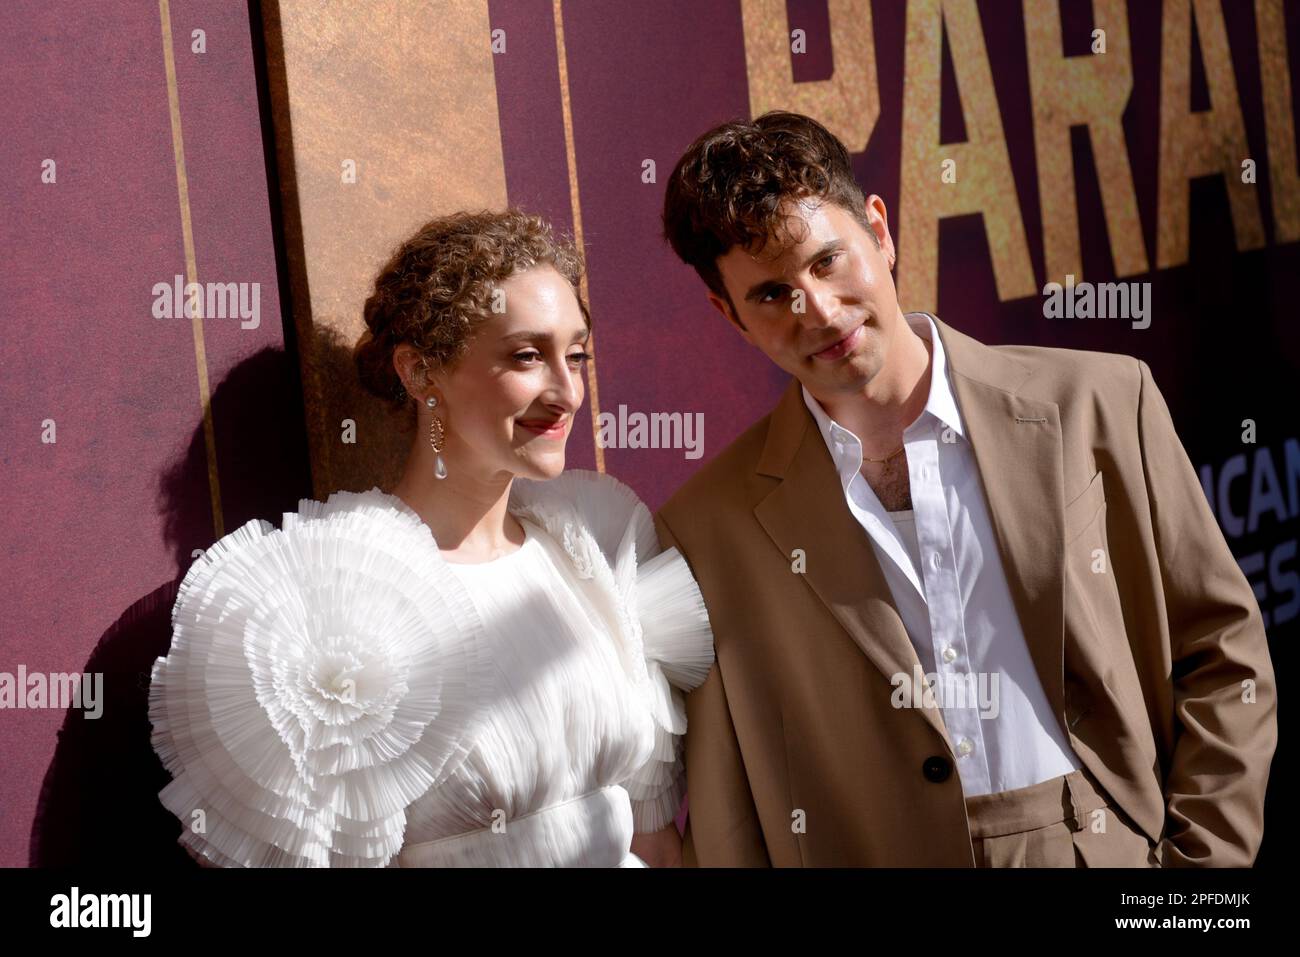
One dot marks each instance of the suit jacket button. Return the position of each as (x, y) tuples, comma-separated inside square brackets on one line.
[(936, 768)]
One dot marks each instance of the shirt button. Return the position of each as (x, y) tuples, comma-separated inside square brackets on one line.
[(950, 654), (935, 560), (925, 473), (964, 747)]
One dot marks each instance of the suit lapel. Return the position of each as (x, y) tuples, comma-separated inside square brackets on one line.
[(807, 511), (1018, 448)]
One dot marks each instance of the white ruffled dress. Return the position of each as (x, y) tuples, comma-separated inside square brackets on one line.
[(338, 695)]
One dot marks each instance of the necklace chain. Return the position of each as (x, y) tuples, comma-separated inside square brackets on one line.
[(886, 458)]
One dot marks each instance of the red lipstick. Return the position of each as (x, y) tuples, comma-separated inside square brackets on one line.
[(547, 428)]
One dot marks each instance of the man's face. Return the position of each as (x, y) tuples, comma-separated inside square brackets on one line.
[(823, 307)]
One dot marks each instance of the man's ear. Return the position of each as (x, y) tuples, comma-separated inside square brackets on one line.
[(878, 217), (724, 307)]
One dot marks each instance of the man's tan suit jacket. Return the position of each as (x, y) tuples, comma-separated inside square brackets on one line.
[(1156, 666)]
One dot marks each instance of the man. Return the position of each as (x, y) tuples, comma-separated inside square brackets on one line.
[(1017, 523)]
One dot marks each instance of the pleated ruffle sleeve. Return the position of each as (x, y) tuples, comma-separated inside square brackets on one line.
[(321, 678), (678, 648), (657, 607)]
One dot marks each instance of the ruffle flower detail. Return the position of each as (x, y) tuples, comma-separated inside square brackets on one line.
[(321, 678)]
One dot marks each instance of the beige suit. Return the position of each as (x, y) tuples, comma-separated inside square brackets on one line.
[(1157, 667)]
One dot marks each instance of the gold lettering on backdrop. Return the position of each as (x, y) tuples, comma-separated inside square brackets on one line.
[(983, 181), (1090, 90), (847, 104), (1204, 143), (1275, 77)]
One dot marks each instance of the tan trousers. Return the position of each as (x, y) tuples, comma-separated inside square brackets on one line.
[(1064, 822)]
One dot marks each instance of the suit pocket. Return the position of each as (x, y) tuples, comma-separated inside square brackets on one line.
[(1121, 844), (1081, 512)]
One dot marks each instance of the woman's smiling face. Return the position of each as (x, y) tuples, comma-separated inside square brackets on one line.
[(508, 403)]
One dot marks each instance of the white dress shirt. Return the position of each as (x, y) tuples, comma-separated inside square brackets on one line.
[(944, 571)]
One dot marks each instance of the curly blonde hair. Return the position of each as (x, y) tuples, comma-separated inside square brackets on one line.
[(438, 285)]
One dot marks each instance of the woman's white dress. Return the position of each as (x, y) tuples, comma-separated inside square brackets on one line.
[(337, 694)]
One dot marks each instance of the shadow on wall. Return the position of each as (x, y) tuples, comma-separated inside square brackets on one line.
[(99, 804), (358, 441)]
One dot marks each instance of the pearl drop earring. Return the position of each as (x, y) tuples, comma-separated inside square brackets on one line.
[(436, 435)]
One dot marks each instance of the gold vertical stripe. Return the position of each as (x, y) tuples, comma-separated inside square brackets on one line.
[(571, 158), (191, 268)]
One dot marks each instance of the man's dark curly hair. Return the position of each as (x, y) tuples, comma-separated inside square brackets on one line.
[(728, 187)]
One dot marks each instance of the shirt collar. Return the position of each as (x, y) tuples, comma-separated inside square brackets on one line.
[(941, 403)]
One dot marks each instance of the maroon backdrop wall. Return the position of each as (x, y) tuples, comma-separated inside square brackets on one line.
[(100, 523)]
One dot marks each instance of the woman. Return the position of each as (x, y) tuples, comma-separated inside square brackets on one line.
[(482, 667)]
